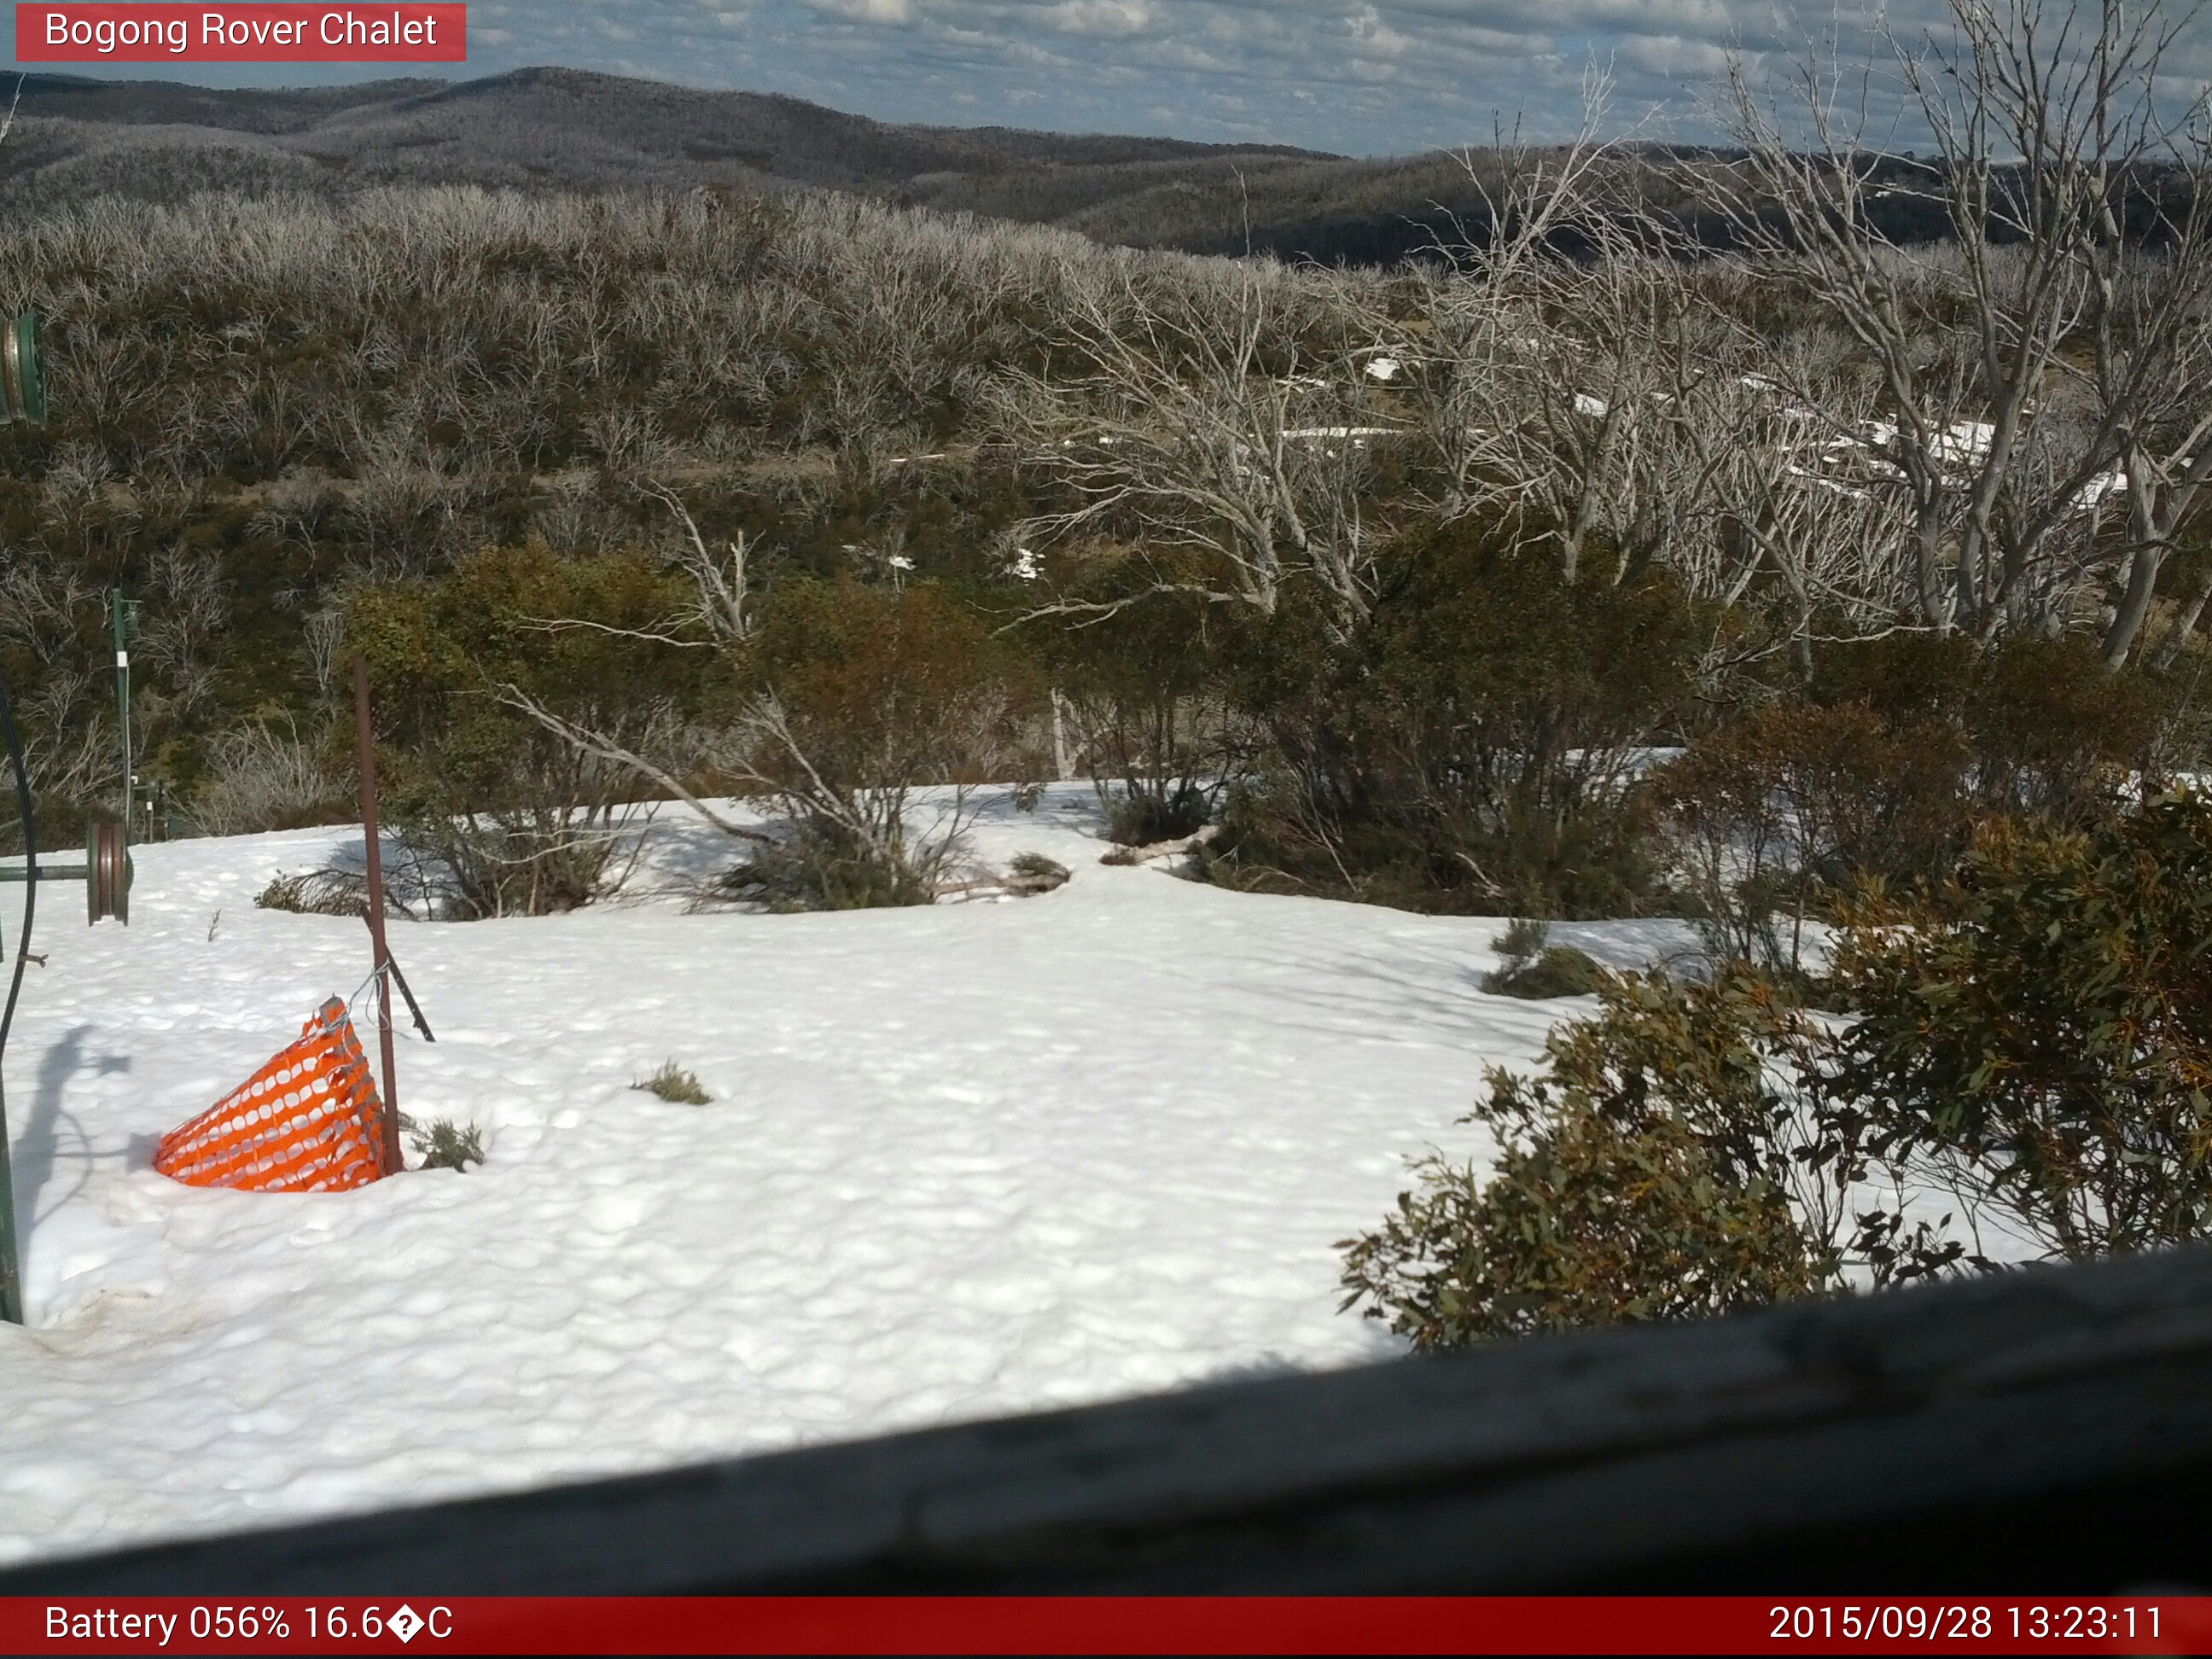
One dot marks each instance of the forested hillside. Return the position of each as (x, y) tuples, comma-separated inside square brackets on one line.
[(1401, 565), (541, 129), (567, 130)]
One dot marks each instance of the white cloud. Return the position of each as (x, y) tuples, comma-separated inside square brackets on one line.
[(898, 13), (1377, 37), (1672, 55), (1116, 19)]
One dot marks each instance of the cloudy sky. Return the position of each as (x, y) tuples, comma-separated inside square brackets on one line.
[(1361, 77)]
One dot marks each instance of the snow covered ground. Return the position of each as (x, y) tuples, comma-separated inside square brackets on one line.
[(959, 1162)]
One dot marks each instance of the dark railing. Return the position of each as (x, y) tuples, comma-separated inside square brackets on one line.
[(2047, 1431)]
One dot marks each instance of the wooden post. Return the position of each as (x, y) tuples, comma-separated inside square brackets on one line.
[(365, 753)]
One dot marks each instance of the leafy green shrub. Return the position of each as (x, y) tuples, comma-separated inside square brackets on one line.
[(1467, 747), (855, 697), (2029, 1035), (821, 865), (2034, 1032), (1656, 1170), (1778, 811), (2043, 725), (1534, 969), (674, 1084), (1143, 692), (503, 814)]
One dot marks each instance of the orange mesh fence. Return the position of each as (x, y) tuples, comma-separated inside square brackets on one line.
[(308, 1121)]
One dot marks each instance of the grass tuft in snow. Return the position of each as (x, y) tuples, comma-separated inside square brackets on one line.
[(1033, 873), (677, 1087), (445, 1145), (316, 893)]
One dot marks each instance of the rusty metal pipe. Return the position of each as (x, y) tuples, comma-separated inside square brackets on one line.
[(365, 754)]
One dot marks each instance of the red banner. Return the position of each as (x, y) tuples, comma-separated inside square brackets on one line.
[(1104, 1625), (63, 33)]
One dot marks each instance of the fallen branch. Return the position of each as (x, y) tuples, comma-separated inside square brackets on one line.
[(592, 743)]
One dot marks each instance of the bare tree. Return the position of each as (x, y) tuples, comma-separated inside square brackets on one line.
[(1515, 414), (188, 612), (263, 776), (1199, 435), (2054, 350)]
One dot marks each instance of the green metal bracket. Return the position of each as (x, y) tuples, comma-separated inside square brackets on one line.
[(118, 859)]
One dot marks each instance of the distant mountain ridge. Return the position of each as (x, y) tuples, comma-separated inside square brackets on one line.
[(530, 128), (573, 129), (565, 129)]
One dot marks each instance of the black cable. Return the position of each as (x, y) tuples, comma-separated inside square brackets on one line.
[(30, 861)]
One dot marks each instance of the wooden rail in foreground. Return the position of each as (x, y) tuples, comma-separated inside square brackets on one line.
[(2045, 1433)]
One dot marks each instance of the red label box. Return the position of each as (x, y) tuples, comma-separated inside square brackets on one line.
[(77, 1625), (61, 32)]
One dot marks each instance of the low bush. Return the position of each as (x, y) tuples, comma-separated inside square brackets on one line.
[(1467, 747), (504, 814), (265, 776), (1903, 745), (1649, 1172), (443, 1144), (522, 862), (2032, 1032), (817, 865), (1535, 970), (1033, 873), (1141, 692), (2053, 733), (674, 1084), (2043, 727), (854, 698), (1139, 812), (1770, 819)]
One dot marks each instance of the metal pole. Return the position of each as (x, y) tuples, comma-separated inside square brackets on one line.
[(365, 752), (25, 400), (122, 705), (11, 1276)]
